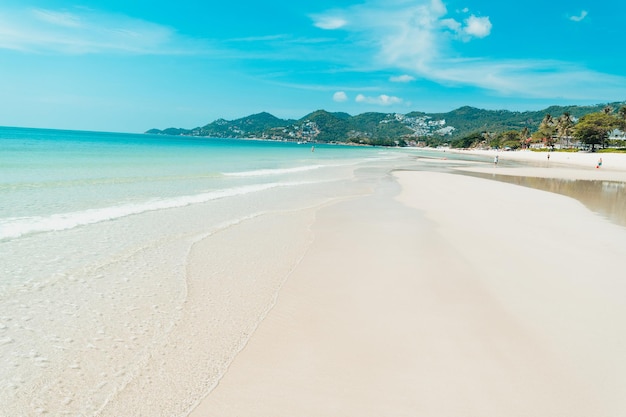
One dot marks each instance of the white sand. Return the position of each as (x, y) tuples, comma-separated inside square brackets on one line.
[(579, 165), (456, 297), (233, 277)]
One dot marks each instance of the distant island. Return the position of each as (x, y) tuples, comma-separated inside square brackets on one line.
[(386, 129)]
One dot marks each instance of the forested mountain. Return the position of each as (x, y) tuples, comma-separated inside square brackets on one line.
[(381, 128), (243, 127)]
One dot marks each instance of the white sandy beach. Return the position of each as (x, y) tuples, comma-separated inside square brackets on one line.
[(443, 295)]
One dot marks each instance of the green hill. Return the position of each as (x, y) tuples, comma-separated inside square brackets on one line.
[(381, 128), (243, 127), (332, 127)]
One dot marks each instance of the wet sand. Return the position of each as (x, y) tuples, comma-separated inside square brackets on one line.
[(442, 295)]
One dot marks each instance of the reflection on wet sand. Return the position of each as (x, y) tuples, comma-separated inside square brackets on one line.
[(607, 198)]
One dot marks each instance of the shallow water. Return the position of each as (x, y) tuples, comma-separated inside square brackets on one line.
[(96, 231), (607, 198)]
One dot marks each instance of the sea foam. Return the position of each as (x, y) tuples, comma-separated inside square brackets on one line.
[(16, 227)]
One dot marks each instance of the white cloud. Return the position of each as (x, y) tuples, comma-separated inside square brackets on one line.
[(473, 27), (527, 78), (329, 22), (381, 100), (418, 38), (82, 30), (451, 24), (479, 27), (57, 18), (405, 78), (405, 34), (580, 17), (340, 96)]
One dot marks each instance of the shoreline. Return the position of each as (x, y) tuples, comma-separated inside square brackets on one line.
[(408, 297), (371, 296)]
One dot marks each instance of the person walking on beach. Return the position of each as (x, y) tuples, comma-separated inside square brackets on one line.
[(495, 160), (599, 163)]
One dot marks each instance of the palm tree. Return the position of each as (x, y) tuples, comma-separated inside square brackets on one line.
[(564, 125), (621, 117), (524, 136), (621, 114), (547, 129)]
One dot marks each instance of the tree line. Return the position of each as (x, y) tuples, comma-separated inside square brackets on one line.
[(591, 130)]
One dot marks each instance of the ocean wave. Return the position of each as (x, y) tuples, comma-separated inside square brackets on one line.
[(15, 227), (272, 171)]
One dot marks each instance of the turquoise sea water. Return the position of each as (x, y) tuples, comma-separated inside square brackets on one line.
[(52, 180), (95, 234)]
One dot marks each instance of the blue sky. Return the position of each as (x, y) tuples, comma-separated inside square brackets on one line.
[(120, 65)]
